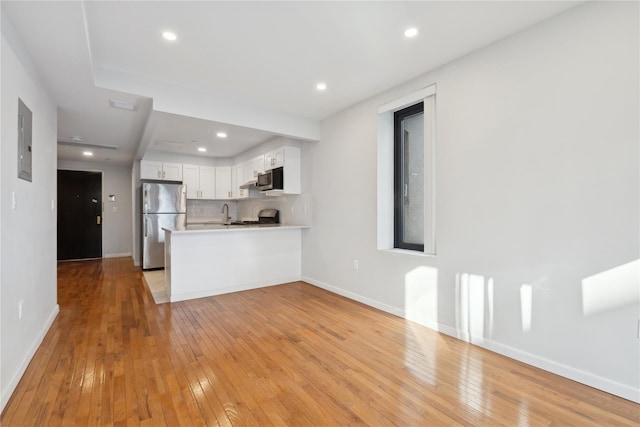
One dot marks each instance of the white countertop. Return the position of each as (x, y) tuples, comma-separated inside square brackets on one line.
[(219, 227)]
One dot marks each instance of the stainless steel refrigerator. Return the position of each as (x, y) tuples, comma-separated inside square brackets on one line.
[(163, 205)]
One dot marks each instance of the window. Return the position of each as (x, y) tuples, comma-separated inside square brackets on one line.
[(408, 188), (406, 173)]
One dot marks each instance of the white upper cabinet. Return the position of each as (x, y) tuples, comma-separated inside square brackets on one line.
[(238, 174), (240, 192), (274, 159), (172, 171), (190, 178), (207, 175), (252, 167), (200, 181), (150, 170), (160, 170), (289, 159), (223, 183)]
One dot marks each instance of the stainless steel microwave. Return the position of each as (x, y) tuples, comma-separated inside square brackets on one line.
[(271, 180)]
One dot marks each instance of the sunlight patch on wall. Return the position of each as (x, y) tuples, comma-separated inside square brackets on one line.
[(490, 306), (421, 296), (526, 306), (611, 289), (474, 306)]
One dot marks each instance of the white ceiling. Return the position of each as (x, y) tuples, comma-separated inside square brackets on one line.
[(250, 64)]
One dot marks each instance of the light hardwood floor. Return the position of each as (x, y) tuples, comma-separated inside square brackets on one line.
[(285, 355)]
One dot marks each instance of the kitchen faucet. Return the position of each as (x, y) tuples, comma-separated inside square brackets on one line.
[(227, 218)]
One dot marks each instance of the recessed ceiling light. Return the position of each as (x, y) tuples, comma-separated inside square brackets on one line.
[(87, 153), (202, 149), (321, 86), (168, 35), (411, 32), (221, 134)]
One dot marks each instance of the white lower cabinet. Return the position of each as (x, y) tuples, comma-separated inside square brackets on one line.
[(200, 181)]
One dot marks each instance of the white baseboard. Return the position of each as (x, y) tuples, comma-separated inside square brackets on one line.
[(560, 369), (356, 297), (11, 386), (117, 255), (592, 380)]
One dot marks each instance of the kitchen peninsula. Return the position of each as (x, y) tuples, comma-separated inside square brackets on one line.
[(211, 259)]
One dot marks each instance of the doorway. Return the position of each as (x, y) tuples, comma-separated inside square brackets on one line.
[(79, 215)]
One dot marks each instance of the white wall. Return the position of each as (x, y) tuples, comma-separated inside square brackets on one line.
[(116, 221), (537, 191), (136, 201), (28, 238)]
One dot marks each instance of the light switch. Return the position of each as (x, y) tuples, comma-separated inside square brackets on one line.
[(14, 200)]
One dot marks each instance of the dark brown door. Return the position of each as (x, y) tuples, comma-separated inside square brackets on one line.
[(79, 215)]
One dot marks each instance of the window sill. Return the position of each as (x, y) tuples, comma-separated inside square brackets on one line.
[(408, 252)]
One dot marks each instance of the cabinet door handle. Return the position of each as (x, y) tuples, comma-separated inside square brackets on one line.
[(164, 174)]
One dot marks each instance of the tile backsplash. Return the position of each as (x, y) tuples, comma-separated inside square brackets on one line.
[(294, 209), (209, 210)]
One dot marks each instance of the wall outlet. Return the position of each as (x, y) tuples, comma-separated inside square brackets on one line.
[(20, 304), (355, 264)]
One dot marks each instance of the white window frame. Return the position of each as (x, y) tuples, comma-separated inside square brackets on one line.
[(386, 167)]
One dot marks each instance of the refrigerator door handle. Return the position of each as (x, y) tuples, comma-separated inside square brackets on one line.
[(145, 226)]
